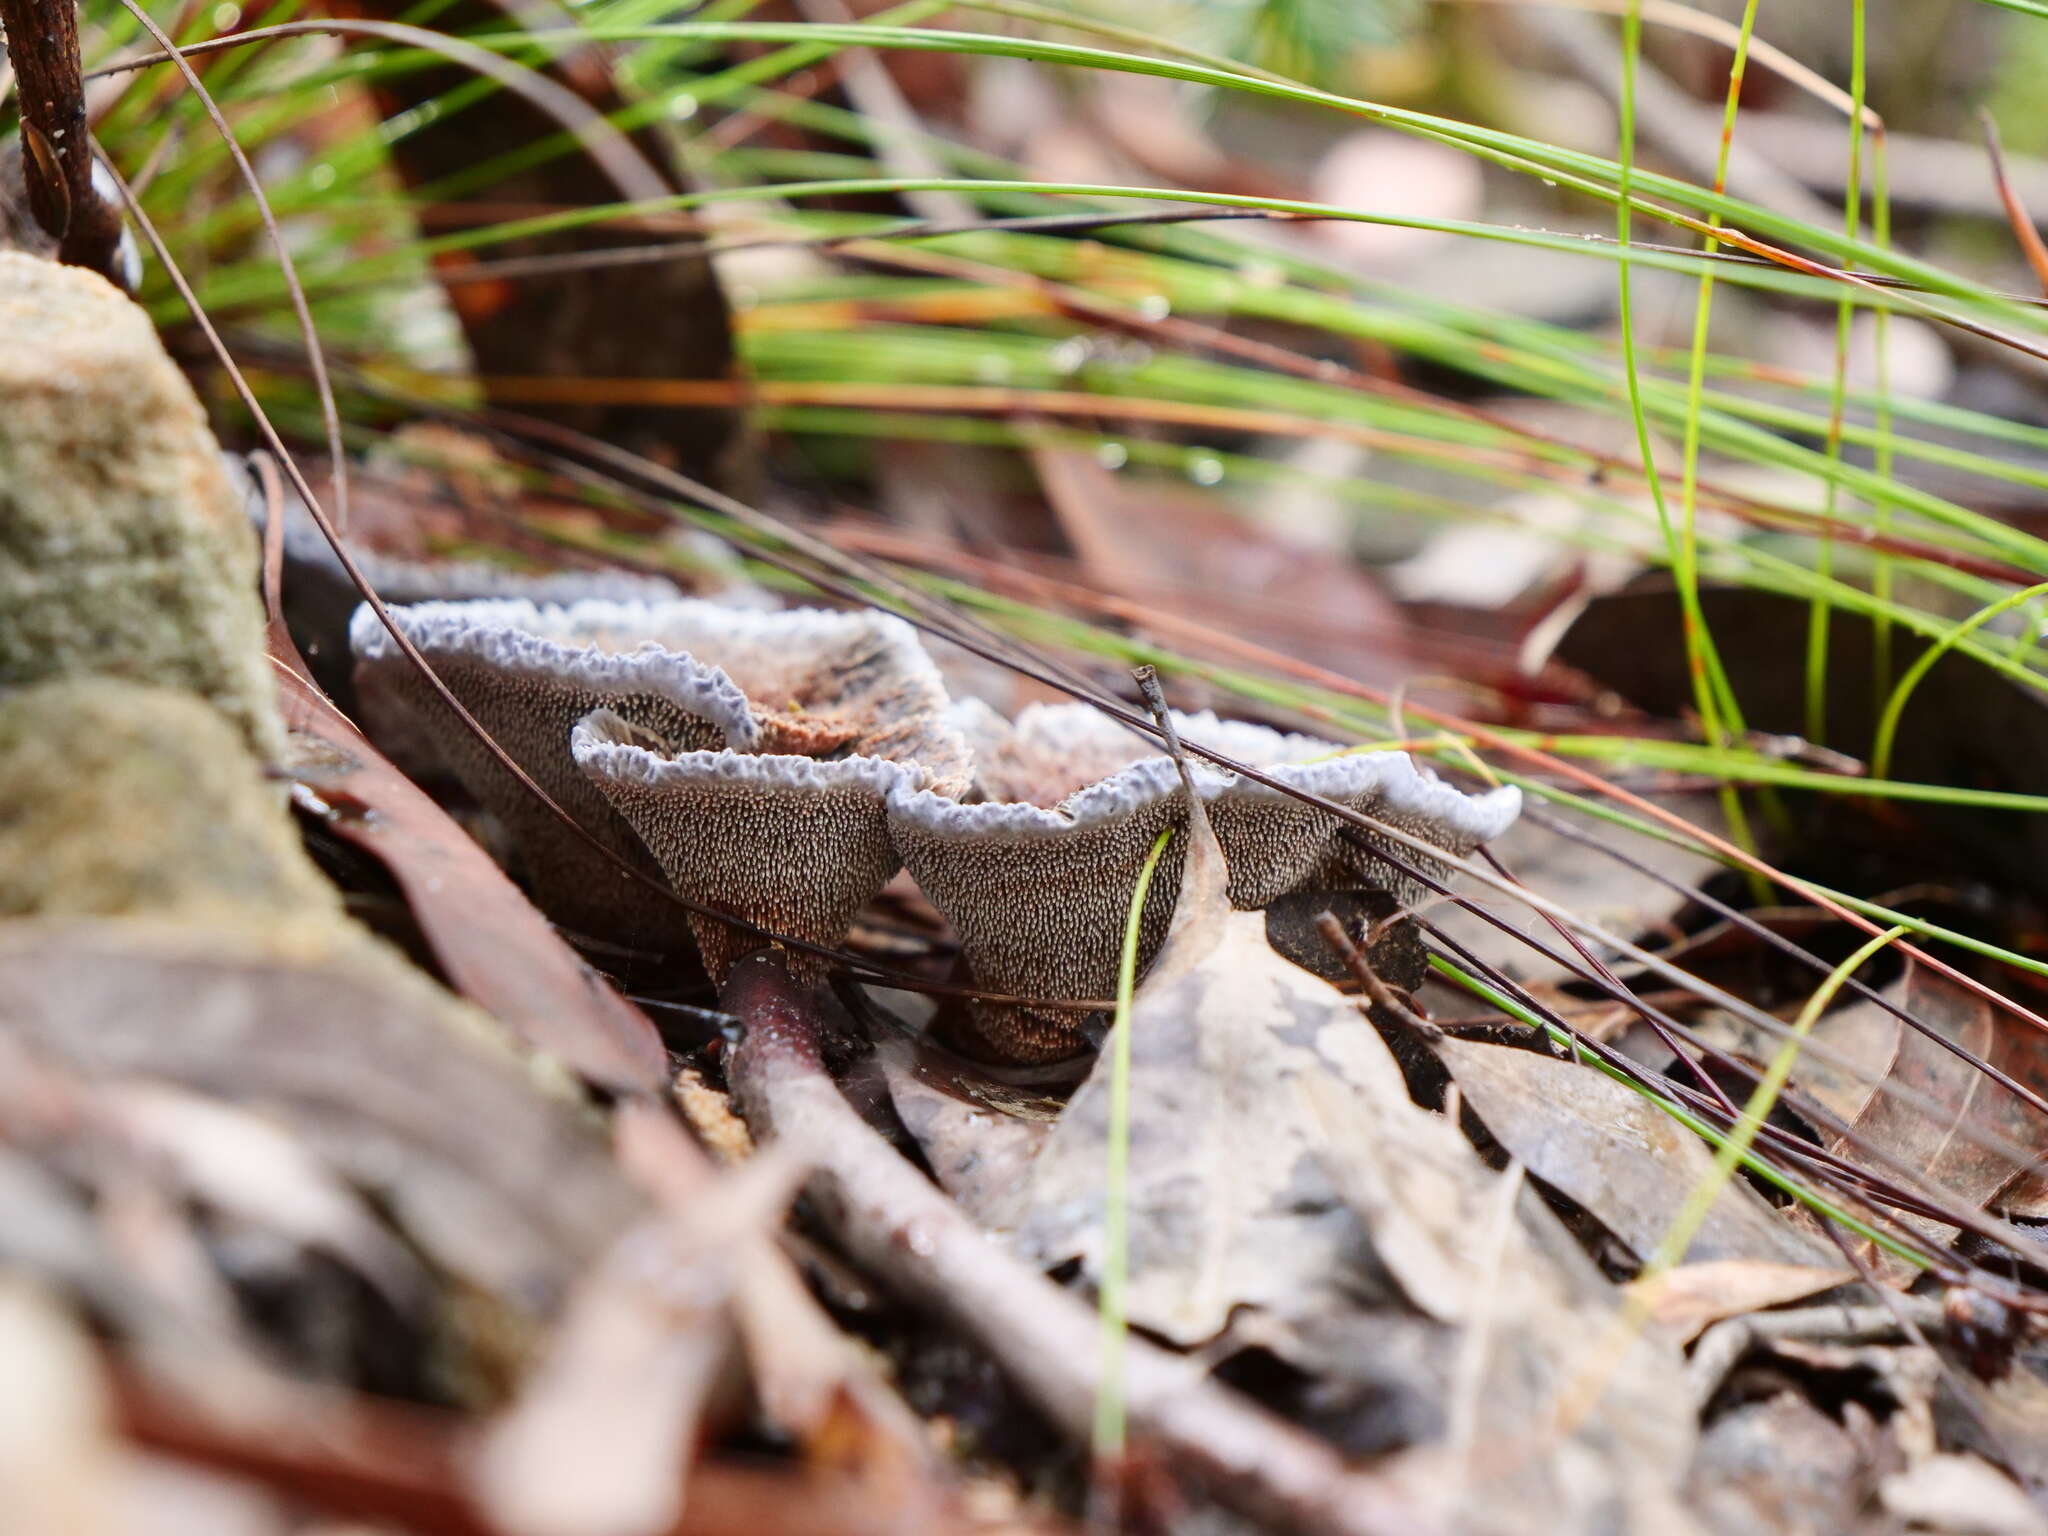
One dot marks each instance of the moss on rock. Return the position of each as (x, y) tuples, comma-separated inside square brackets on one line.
[(123, 546), (119, 799)]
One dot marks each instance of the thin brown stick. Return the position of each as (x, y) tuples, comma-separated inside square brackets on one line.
[(1376, 989), (56, 162), (316, 357), (920, 1244)]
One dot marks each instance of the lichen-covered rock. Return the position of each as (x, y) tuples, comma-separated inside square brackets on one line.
[(687, 677), (119, 799), (1038, 875), (123, 548), (158, 917)]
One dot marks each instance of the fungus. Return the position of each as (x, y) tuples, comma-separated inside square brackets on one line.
[(795, 844), (675, 682), (1037, 875), (792, 832)]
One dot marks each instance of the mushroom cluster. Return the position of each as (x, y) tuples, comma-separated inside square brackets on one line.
[(783, 766)]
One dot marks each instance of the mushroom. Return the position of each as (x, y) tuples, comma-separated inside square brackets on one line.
[(794, 844), (683, 682), (1037, 875), (791, 833), (528, 672)]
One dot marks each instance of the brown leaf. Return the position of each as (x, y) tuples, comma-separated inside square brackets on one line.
[(1693, 1297), (385, 1461), (1619, 1156), (495, 947), (1962, 1130), (384, 1077)]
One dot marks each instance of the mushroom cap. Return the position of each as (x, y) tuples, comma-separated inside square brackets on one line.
[(795, 844), (1040, 892), (685, 676)]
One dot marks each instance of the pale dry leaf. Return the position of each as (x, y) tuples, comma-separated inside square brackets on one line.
[(1693, 1297), (978, 1153), (160, 1496), (252, 1168), (1618, 1155), (1231, 1201), (1964, 1495), (599, 1441), (57, 1449), (382, 1076)]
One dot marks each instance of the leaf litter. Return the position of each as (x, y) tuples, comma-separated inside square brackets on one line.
[(1294, 1205), (1279, 1167)]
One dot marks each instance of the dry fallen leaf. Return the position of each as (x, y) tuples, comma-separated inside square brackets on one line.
[(1962, 1494), (403, 1092), (492, 942), (1278, 1163), (1231, 1199), (1693, 1297), (977, 1152), (1964, 1130), (57, 1451), (252, 1168), (1620, 1156)]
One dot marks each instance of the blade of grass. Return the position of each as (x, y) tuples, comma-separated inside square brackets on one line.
[(1719, 711), (1895, 706), (1818, 621), (1109, 1438)]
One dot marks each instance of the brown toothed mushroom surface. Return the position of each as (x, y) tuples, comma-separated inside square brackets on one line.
[(677, 681), (1039, 886), (793, 844)]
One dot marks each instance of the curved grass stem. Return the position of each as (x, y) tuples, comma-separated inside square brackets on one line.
[(1109, 1402)]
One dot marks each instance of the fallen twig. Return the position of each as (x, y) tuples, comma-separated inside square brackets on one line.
[(42, 45), (918, 1242)]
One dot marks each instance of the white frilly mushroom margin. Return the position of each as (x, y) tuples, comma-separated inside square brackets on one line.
[(1402, 788), (556, 644), (606, 757)]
